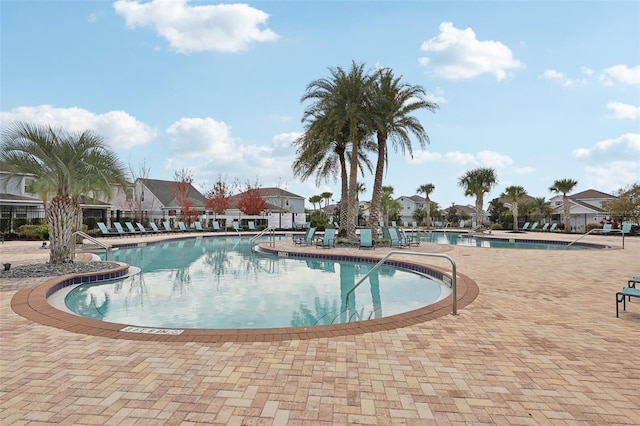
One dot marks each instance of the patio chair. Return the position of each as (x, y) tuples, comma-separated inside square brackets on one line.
[(545, 227), (132, 229), (105, 231), (252, 226), (622, 295), (366, 239), (525, 226), (182, 227), (236, 226), (534, 226), (167, 226), (198, 226), (396, 241), (553, 227), (120, 229), (328, 240), (306, 239), (155, 228), (144, 230), (216, 225), (408, 239)]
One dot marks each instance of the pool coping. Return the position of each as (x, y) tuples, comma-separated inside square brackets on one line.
[(32, 304)]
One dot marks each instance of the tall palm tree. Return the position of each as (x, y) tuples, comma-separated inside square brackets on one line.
[(476, 183), (564, 186), (513, 193), (542, 206), (342, 103), (326, 196), (427, 189), (315, 199), (393, 102), (66, 166)]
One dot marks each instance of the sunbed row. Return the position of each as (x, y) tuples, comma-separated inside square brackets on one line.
[(397, 237), (165, 227)]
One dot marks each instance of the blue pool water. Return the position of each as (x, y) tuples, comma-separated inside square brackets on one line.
[(222, 283), (464, 239)]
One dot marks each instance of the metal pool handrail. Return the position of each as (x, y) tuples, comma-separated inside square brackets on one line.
[(270, 230), (597, 230), (96, 242), (391, 253)]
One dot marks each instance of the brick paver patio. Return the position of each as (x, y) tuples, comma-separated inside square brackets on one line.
[(539, 345)]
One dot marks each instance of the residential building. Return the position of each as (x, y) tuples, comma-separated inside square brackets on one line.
[(586, 208), (409, 205)]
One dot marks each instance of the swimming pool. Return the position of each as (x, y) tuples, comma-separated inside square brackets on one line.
[(221, 283), (475, 240)]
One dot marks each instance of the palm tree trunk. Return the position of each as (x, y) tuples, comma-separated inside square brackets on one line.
[(344, 196), (376, 196), (565, 208), (62, 215), (428, 212), (352, 209), (515, 216), (479, 203)]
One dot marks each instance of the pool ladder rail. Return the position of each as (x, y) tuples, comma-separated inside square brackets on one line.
[(106, 247), (268, 230)]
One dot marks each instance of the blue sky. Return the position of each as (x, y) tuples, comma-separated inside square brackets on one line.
[(538, 90)]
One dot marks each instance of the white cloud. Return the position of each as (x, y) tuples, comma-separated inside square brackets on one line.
[(458, 54), (611, 176), (221, 27), (119, 129), (436, 97), (525, 170), (563, 79), (623, 111), (625, 146), (207, 148), (482, 158), (621, 74)]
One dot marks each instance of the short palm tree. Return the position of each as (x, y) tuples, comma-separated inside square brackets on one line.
[(427, 189), (392, 104), (564, 186), (66, 166), (514, 193), (476, 183)]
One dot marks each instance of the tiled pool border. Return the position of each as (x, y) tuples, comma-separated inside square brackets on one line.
[(33, 305)]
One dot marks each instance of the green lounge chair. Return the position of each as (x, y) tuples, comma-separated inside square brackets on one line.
[(328, 240), (252, 226), (216, 225), (534, 226), (155, 228), (182, 227), (167, 226), (621, 297), (120, 229), (105, 231), (366, 239), (144, 230), (525, 226), (132, 229), (198, 226), (236, 226), (306, 239)]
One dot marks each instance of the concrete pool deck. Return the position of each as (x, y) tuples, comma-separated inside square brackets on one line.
[(539, 345)]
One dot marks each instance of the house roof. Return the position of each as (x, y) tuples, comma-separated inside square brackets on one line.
[(164, 192), (276, 192), (468, 209), (590, 194)]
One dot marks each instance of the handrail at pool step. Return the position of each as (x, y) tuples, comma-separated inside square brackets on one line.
[(454, 307), (272, 235), (94, 241), (598, 230)]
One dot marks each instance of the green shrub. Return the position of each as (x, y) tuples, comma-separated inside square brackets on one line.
[(34, 232), (496, 226)]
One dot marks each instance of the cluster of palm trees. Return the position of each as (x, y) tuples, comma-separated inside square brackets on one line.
[(65, 166), (353, 113)]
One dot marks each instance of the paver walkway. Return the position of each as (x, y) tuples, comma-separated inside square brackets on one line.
[(540, 345)]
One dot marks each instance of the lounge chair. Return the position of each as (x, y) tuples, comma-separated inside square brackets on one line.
[(394, 224), (534, 226), (414, 225), (182, 227), (606, 229), (405, 224), (461, 224), (396, 241), (252, 226), (132, 229), (622, 295), (408, 239), (144, 230), (626, 228), (120, 229), (328, 240), (553, 227), (306, 239), (236, 226), (525, 226), (366, 240), (216, 225), (545, 227), (105, 232), (155, 228), (198, 226), (167, 226)]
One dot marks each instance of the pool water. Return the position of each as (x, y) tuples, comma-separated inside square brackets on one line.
[(222, 283), (464, 239)]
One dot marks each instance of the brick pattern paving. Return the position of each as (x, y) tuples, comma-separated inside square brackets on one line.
[(540, 345)]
